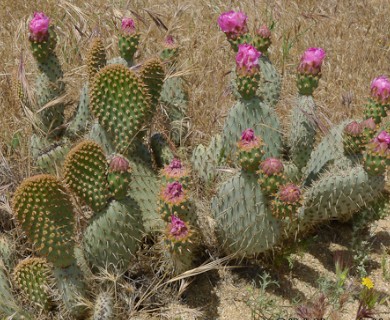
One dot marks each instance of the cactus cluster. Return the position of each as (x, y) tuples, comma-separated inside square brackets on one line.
[(98, 196)]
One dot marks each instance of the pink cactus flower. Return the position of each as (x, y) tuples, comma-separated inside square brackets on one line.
[(247, 58), (119, 164), (178, 228), (311, 61), (383, 137), (368, 124), (233, 24), (128, 26), (264, 32), (353, 129), (272, 166), (380, 89), (290, 193), (175, 164), (39, 27), (174, 192), (248, 135)]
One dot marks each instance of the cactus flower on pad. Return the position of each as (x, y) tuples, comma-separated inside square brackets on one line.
[(39, 27), (262, 39), (119, 174), (377, 155), (250, 150), (354, 140), (380, 89), (128, 26), (175, 171), (174, 201), (287, 201), (309, 70), (128, 40), (233, 24), (271, 175), (248, 70), (178, 230)]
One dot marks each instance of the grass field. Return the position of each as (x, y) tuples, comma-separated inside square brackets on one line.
[(356, 38)]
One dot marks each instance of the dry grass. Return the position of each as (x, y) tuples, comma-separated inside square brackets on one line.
[(354, 34)]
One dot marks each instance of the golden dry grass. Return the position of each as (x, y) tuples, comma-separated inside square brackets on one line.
[(355, 35)]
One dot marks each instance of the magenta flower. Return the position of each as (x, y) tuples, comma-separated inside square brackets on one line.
[(175, 164), (248, 135), (170, 41), (264, 32), (272, 166), (380, 89), (247, 58), (39, 27), (174, 191), (383, 137), (128, 25), (311, 61), (119, 164), (233, 24), (178, 228), (290, 193)]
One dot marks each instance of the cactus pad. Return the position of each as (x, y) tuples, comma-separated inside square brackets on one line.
[(44, 210), (85, 172), (120, 102), (96, 57), (34, 278)]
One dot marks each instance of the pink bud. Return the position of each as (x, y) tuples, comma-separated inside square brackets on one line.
[(368, 124), (290, 193), (248, 135), (247, 58), (173, 190), (128, 26), (175, 164), (383, 137), (170, 41), (178, 228), (264, 32), (380, 89), (353, 129), (233, 24), (39, 27), (311, 61), (119, 164), (272, 166)]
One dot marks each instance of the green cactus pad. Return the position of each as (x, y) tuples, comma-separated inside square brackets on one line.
[(245, 38), (41, 50), (85, 172), (247, 85), (376, 161), (258, 116), (205, 160), (302, 132), (8, 304), (375, 110), (329, 150), (82, 117), (96, 57), (104, 307), (34, 278), (152, 74), (162, 152), (174, 98), (261, 44), (269, 184), (44, 210), (72, 291), (120, 102), (49, 157), (128, 45), (339, 194), (307, 83), (245, 224), (113, 236), (100, 136)]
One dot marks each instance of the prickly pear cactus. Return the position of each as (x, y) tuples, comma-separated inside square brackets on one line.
[(85, 172), (245, 224), (120, 102), (44, 210), (96, 57), (113, 236), (104, 307), (34, 278)]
